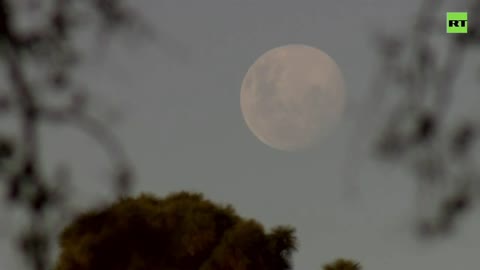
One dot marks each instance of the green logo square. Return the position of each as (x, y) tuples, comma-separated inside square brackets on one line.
[(457, 22)]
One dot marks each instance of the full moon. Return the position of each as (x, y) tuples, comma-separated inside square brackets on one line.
[(292, 97)]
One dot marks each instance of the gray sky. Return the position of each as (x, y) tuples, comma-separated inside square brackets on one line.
[(184, 129)]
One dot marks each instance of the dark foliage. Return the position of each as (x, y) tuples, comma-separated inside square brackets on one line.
[(342, 264), (182, 231)]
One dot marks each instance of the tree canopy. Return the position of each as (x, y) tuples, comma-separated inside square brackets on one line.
[(342, 264), (181, 231)]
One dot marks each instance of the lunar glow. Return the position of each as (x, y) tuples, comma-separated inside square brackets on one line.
[(292, 96)]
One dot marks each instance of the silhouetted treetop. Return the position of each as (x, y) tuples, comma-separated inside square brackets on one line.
[(182, 231), (342, 264)]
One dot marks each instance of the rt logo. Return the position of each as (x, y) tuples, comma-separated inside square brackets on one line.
[(457, 22)]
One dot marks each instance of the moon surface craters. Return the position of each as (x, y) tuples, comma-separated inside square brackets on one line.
[(292, 96)]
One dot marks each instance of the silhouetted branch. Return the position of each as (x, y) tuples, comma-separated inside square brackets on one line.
[(415, 131), (48, 48), (104, 137)]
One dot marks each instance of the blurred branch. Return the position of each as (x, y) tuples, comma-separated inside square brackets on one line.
[(49, 50), (414, 133), (101, 134)]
